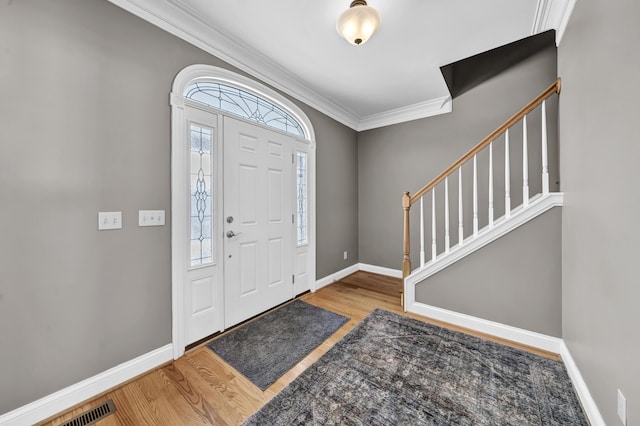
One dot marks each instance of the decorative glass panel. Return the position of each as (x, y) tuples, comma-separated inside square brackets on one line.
[(201, 196), (301, 197), (244, 104)]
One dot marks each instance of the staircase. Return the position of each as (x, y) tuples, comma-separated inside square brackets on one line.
[(447, 244)]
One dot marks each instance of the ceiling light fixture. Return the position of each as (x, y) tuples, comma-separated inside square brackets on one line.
[(358, 23)]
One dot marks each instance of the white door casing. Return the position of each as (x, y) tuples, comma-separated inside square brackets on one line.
[(258, 211), (302, 256)]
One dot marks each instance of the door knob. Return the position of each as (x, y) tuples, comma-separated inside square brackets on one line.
[(231, 234)]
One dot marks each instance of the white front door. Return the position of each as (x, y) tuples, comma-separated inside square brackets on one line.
[(254, 172), (202, 259), (258, 219)]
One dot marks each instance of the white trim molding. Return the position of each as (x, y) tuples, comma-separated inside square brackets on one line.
[(503, 331), (564, 20), (66, 398), (588, 404), (552, 14), (396, 273), (336, 276), (519, 216), (425, 109)]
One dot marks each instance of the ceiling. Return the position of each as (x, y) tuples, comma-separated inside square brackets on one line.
[(394, 77)]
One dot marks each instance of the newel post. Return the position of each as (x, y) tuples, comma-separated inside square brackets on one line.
[(406, 261)]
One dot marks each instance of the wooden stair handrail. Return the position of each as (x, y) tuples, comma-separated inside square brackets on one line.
[(408, 200), (554, 88)]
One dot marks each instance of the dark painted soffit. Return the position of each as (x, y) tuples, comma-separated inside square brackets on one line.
[(464, 75)]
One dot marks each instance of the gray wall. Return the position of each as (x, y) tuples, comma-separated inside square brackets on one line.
[(404, 157), (85, 127), (337, 195), (599, 61), (526, 294)]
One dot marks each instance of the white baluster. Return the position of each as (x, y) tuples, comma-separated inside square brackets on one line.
[(460, 225), (433, 225), (446, 214), (475, 196), (507, 177), (545, 160), (525, 164), (421, 232), (491, 185)]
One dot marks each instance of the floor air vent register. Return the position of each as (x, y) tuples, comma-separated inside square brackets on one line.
[(93, 415)]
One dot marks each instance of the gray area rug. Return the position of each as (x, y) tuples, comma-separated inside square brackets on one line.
[(265, 349), (393, 370)]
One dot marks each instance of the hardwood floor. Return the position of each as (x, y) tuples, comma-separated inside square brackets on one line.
[(201, 389)]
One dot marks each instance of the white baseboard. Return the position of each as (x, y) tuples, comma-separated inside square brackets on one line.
[(514, 334), (588, 404), (396, 273), (66, 398), (330, 279), (336, 276)]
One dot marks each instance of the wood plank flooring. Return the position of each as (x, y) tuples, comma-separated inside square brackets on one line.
[(201, 389)]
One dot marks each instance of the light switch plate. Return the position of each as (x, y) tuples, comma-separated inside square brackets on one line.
[(109, 220), (151, 218)]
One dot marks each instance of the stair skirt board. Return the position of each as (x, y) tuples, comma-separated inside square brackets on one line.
[(63, 400), (539, 205)]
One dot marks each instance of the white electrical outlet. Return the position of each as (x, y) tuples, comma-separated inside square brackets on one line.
[(151, 218), (109, 220), (622, 407), (345, 255)]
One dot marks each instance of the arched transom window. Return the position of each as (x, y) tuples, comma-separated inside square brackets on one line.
[(244, 104)]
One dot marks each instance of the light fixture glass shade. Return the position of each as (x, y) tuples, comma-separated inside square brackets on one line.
[(358, 23)]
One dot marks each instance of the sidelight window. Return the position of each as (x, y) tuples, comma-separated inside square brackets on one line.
[(301, 197), (201, 194)]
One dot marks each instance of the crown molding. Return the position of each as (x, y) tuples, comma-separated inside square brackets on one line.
[(176, 18), (541, 16), (425, 109), (564, 20), (552, 14)]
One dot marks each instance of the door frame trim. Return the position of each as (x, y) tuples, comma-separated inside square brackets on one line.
[(202, 72)]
